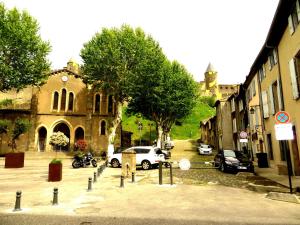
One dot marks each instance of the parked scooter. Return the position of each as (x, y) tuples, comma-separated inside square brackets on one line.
[(86, 160)]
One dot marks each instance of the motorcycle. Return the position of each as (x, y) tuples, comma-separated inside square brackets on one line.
[(83, 161)]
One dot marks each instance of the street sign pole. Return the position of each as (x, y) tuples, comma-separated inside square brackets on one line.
[(289, 164), (283, 130)]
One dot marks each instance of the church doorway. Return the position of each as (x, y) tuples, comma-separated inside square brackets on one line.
[(42, 139), (62, 127)]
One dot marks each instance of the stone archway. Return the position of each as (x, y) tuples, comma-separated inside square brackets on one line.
[(42, 139), (64, 128)]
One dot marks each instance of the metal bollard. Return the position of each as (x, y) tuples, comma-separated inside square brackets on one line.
[(160, 173), (98, 171), (55, 196), (132, 177), (171, 174), (95, 177), (122, 182), (89, 184), (18, 201)]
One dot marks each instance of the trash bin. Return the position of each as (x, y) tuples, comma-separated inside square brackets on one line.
[(262, 160), (128, 162)]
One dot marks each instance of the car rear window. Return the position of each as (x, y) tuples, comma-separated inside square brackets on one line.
[(141, 150)]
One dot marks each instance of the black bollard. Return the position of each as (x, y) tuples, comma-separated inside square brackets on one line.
[(132, 177), (171, 174), (89, 184), (95, 177), (122, 182), (55, 196), (98, 171), (160, 173), (18, 201)]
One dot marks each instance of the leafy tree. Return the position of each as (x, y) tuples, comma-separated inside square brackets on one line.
[(209, 100), (169, 96), (22, 52), (19, 127), (111, 58)]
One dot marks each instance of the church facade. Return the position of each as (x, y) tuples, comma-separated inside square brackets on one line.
[(64, 103), (210, 86)]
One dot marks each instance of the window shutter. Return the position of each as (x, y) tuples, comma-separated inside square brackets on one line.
[(294, 78), (275, 55), (265, 104), (254, 88), (280, 103), (298, 10), (270, 62), (291, 26), (272, 108)]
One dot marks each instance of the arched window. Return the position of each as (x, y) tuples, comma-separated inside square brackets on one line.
[(71, 102), (55, 100), (110, 104), (63, 100), (102, 127), (97, 103)]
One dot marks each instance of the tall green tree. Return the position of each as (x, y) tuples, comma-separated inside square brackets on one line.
[(111, 58), (169, 96), (22, 52)]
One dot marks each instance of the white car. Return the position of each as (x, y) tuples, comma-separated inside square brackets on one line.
[(146, 156), (204, 149)]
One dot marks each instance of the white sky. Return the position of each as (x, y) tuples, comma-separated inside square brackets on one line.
[(227, 33)]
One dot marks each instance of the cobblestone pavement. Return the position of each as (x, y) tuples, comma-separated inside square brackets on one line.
[(203, 174)]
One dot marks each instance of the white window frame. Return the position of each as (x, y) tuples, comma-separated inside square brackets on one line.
[(265, 105)]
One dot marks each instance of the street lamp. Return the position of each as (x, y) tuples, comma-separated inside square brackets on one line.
[(252, 109), (140, 127)]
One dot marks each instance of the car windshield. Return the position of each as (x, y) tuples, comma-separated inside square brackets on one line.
[(205, 146), (229, 153)]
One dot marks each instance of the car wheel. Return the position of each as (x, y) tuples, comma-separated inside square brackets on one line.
[(222, 167), (115, 163), (146, 165), (94, 162)]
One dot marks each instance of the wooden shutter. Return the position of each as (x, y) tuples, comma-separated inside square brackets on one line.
[(291, 25), (294, 78), (275, 55), (272, 108), (264, 96), (298, 10), (280, 103)]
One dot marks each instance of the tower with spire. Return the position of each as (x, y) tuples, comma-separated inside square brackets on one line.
[(210, 86)]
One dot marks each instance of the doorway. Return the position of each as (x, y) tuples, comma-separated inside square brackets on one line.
[(42, 139), (62, 127)]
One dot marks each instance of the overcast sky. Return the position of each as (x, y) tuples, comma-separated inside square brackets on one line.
[(227, 33)]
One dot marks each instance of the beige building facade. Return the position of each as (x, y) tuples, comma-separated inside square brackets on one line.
[(64, 103)]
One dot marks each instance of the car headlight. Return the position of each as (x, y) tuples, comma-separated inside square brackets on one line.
[(228, 162)]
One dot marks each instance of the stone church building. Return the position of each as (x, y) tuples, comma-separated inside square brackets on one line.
[(64, 103)]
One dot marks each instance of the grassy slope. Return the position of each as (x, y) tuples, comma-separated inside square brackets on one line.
[(188, 130)]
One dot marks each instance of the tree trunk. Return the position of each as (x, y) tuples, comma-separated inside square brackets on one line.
[(115, 123), (159, 135)]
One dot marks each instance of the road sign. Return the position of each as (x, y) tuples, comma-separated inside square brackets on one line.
[(184, 164), (282, 117), (284, 132), (243, 134), (244, 140)]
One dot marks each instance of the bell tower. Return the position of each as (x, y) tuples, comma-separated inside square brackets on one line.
[(211, 84)]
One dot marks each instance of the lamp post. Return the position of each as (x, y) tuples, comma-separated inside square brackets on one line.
[(140, 127), (150, 125)]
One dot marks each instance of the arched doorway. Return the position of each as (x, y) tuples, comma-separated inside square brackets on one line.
[(79, 135), (62, 127), (42, 139)]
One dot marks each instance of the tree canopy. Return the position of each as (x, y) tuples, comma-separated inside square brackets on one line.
[(165, 98), (113, 57), (22, 51)]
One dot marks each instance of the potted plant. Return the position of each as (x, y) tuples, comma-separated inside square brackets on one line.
[(55, 170), (14, 159), (57, 140)]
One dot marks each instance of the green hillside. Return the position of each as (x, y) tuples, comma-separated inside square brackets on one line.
[(185, 129)]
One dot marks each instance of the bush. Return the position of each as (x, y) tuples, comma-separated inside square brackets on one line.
[(56, 161), (81, 144)]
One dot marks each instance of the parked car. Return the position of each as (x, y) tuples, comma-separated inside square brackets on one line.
[(204, 149), (146, 156), (234, 161)]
